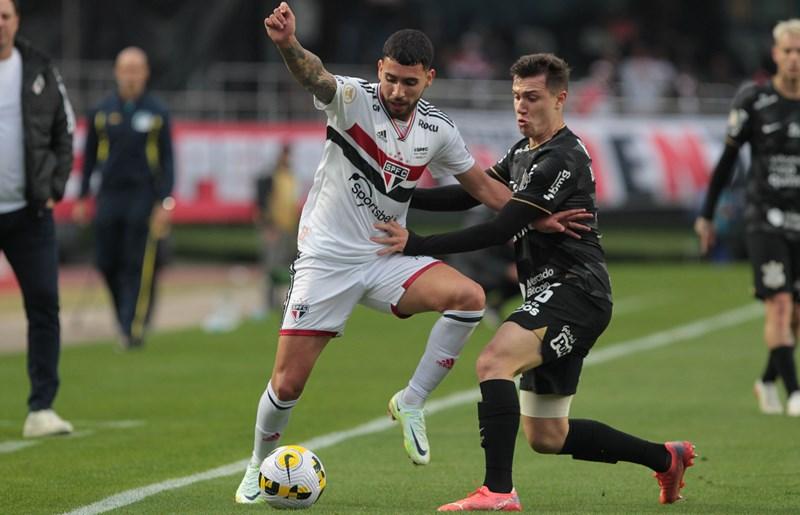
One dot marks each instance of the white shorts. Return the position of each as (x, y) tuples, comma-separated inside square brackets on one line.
[(536, 405), (323, 293)]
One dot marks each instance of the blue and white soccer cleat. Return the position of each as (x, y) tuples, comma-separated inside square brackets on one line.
[(415, 438)]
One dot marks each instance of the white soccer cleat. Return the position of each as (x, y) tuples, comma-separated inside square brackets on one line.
[(248, 491), (793, 404), (45, 422), (768, 400), (415, 438)]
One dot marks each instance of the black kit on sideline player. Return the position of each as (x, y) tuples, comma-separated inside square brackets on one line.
[(129, 139), (380, 138), (768, 118), (567, 301)]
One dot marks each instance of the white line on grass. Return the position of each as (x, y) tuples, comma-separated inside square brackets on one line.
[(9, 446), (15, 445), (630, 305), (692, 330)]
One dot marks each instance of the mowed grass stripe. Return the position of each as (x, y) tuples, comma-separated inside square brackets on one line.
[(677, 334)]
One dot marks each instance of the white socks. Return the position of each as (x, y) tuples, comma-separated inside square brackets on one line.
[(272, 417), (447, 338)]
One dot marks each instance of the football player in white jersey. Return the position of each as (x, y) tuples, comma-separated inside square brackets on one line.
[(380, 138)]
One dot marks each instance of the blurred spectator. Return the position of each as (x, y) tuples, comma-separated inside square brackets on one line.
[(469, 60), (129, 140), (593, 95), (645, 79), (277, 200)]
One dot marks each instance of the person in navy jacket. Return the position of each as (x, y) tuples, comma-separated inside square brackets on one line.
[(128, 140)]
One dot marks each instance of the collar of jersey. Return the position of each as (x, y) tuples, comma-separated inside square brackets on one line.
[(401, 134), (548, 140)]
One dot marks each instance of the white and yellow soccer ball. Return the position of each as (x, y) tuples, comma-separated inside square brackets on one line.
[(291, 477)]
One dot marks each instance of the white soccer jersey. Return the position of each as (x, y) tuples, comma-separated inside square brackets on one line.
[(369, 169)]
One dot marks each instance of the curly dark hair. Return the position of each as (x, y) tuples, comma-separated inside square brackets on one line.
[(409, 47), (555, 69)]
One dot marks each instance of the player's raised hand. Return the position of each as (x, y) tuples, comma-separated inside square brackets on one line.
[(280, 24), (396, 239), (568, 222), (705, 231)]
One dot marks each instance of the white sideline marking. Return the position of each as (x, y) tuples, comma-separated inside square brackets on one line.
[(15, 445), (636, 303), (655, 340), (10, 446)]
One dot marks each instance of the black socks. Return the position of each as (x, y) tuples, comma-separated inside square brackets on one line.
[(782, 359), (770, 371), (498, 421), (594, 441)]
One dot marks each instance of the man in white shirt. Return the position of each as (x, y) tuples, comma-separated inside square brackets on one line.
[(36, 126), (380, 138)]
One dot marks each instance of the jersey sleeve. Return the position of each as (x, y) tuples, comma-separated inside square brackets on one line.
[(351, 93), (550, 182), (453, 158), (739, 127), (502, 168)]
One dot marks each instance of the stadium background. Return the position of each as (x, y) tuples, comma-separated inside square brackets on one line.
[(670, 68), (651, 86)]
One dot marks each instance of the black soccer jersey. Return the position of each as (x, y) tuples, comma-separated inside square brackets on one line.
[(771, 124), (555, 176)]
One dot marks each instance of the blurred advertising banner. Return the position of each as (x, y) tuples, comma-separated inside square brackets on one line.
[(638, 163), (7, 279)]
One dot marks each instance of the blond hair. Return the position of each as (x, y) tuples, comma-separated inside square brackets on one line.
[(791, 26)]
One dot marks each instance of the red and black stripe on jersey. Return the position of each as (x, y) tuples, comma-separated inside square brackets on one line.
[(378, 178)]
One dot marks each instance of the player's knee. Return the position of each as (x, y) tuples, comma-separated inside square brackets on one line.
[(285, 388), (547, 442), (470, 297), (489, 365), (780, 308)]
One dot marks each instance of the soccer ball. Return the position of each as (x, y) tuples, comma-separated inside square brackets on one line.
[(291, 477)]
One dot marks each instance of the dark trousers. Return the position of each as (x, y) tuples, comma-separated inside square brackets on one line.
[(122, 229), (28, 240)]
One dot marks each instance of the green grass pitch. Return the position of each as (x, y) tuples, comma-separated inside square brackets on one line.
[(186, 404)]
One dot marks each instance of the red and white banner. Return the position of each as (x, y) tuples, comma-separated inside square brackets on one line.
[(657, 162)]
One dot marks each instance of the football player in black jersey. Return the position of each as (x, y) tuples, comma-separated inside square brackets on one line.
[(567, 301), (767, 117)]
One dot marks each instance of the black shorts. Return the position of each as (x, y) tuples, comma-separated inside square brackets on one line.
[(573, 320), (776, 264)]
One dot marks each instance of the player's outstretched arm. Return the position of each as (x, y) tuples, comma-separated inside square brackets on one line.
[(306, 68), (482, 187)]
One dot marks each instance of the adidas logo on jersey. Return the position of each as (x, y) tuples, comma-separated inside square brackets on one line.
[(381, 135)]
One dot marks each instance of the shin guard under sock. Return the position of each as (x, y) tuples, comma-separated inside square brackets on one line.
[(498, 419), (271, 420), (594, 441), (783, 358), (770, 370)]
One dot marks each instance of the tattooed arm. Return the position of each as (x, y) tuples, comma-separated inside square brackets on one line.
[(305, 67)]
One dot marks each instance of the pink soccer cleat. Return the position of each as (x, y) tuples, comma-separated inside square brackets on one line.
[(671, 481), (484, 499)]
